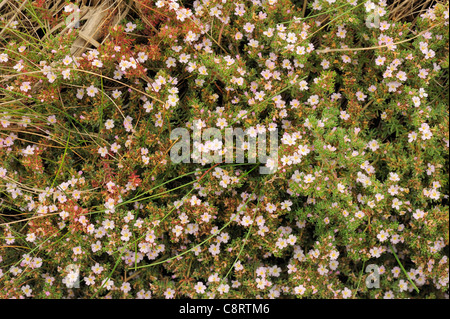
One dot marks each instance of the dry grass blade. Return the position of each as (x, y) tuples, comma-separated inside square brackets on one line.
[(90, 31), (143, 16), (399, 10), (119, 16), (96, 19), (16, 13)]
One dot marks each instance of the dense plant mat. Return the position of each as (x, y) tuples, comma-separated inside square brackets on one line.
[(93, 204)]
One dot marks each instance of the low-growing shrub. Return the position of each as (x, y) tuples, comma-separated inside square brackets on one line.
[(94, 206)]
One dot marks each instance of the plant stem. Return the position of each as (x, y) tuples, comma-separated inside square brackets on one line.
[(403, 269)]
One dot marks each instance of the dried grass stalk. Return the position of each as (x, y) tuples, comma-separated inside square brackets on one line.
[(90, 32), (409, 10), (97, 17)]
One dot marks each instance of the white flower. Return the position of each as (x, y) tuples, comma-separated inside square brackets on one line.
[(416, 101), (103, 151), (91, 91), (177, 230), (200, 287), (97, 63), (25, 87), (51, 119), (223, 288), (69, 8), (303, 150), (419, 214), (248, 27), (3, 57), (27, 290), (31, 237), (426, 135), (130, 26), (51, 77), (29, 150), (309, 178), (109, 124), (126, 287), (221, 122), (299, 290), (2, 172), (373, 145), (202, 70), (80, 93), (412, 137), (127, 123), (107, 283), (191, 36), (344, 115), (313, 100), (66, 74), (115, 147), (270, 207), (346, 293), (286, 205), (124, 64), (360, 96), (303, 85), (195, 201), (116, 94), (383, 235), (214, 249), (170, 62)]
